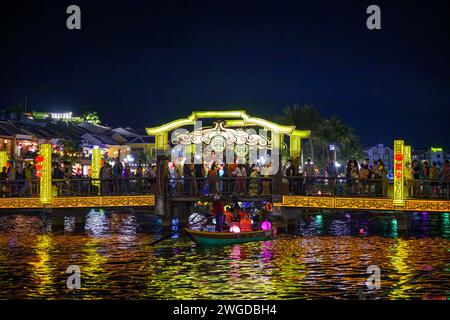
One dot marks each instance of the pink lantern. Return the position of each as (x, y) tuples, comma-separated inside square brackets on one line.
[(266, 225), (235, 227)]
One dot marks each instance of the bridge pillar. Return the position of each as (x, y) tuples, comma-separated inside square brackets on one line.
[(45, 170), (277, 151), (399, 199), (3, 159), (96, 164)]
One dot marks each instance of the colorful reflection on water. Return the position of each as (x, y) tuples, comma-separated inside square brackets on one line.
[(324, 256)]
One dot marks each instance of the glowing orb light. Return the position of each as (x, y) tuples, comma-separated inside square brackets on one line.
[(266, 225), (235, 228)]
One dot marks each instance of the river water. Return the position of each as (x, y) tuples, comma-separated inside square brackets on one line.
[(322, 257)]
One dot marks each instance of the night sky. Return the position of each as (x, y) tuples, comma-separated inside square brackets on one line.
[(143, 63)]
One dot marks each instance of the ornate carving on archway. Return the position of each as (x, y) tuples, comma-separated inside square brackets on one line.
[(220, 138)]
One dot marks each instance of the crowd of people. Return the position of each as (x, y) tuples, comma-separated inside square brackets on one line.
[(365, 178), (368, 178), (209, 179), (18, 178)]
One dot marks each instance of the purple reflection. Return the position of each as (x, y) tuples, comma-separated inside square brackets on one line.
[(266, 251)]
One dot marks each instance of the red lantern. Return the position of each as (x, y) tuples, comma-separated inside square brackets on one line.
[(39, 167), (38, 174), (398, 175), (399, 166), (39, 159), (398, 157)]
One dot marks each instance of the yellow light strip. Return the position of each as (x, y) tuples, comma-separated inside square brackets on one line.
[(96, 164), (398, 173), (407, 155), (246, 120), (46, 196), (3, 159)]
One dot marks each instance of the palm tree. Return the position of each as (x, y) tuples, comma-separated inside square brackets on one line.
[(305, 117), (324, 131), (91, 117)]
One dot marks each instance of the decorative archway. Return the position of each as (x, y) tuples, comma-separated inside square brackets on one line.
[(231, 119)]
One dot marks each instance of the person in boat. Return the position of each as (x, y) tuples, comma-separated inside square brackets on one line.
[(229, 215), (218, 212), (245, 224)]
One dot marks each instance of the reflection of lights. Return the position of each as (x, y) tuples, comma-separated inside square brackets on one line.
[(338, 165), (399, 260), (42, 273), (95, 222), (69, 224), (394, 228), (445, 224), (175, 224)]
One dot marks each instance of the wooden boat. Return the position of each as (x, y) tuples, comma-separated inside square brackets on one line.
[(225, 238)]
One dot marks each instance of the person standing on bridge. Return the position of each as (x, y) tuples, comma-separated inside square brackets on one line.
[(240, 175), (254, 181), (309, 172), (331, 172), (446, 177), (434, 177), (290, 174)]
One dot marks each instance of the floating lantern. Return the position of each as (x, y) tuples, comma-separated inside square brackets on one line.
[(235, 227), (266, 225)]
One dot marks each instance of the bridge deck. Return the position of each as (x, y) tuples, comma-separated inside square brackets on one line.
[(79, 202), (360, 203)]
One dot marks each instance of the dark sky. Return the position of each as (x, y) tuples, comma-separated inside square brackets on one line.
[(142, 63)]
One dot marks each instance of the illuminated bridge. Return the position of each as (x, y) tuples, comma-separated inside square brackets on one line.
[(229, 135)]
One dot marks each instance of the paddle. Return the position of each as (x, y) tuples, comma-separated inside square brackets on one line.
[(173, 233)]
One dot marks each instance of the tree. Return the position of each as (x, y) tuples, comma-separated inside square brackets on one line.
[(324, 132), (304, 117), (92, 117)]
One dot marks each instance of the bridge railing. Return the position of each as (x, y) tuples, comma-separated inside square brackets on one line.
[(337, 186), (252, 186), (299, 185), (74, 187), (356, 187), (436, 189), (19, 188)]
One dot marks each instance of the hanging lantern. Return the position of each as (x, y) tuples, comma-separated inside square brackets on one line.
[(235, 227), (38, 174), (398, 175), (398, 157), (399, 166), (266, 225), (39, 159), (39, 167)]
